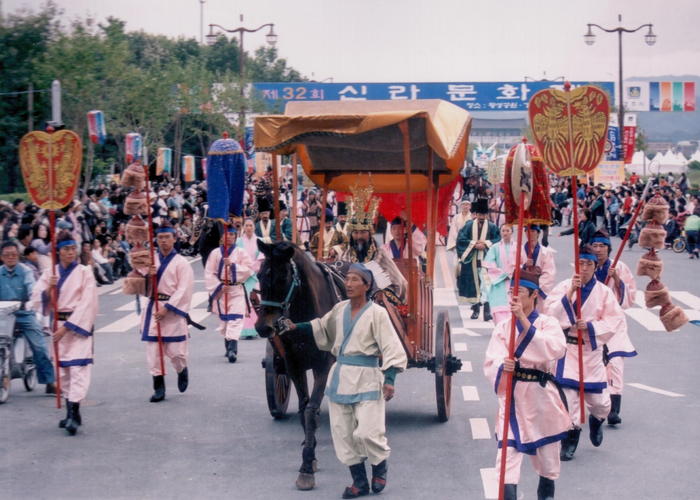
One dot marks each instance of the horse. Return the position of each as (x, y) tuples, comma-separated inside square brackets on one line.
[(294, 286)]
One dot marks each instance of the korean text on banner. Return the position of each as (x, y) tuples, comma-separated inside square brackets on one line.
[(609, 173), (630, 136), (612, 144)]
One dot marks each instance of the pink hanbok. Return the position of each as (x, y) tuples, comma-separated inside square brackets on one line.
[(604, 317), (620, 346), (77, 310), (544, 259), (231, 319), (250, 245), (540, 418), (175, 289)]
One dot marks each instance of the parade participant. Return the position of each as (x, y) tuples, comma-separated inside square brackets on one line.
[(333, 240), (358, 331), (601, 317), (539, 417), (249, 242), (303, 228), (175, 287), (458, 222), (624, 287), (285, 224), (313, 212), (16, 284), (541, 257), (77, 311), (341, 225), (498, 267), (473, 241), (362, 247), (229, 298), (399, 240), (498, 208), (263, 228)]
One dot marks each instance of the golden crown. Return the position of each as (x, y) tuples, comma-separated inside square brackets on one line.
[(364, 206)]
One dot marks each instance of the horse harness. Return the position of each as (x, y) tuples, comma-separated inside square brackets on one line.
[(280, 324)]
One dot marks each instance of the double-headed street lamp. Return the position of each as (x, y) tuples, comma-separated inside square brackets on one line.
[(649, 38), (271, 38)]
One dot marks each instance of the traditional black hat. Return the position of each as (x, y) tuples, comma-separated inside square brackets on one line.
[(342, 208), (263, 205), (480, 206)]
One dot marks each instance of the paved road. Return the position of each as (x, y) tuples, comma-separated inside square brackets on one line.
[(218, 441)]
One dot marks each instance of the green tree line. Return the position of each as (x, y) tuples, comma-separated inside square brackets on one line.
[(176, 93)]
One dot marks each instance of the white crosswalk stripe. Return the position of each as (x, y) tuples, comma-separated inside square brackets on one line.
[(649, 317), (470, 393), (489, 477), (461, 347), (657, 391), (480, 428)]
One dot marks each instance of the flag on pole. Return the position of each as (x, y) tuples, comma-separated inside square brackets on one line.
[(133, 147), (165, 161), (204, 168), (96, 127), (188, 168)]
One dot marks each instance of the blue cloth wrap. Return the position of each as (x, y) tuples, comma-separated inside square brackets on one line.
[(65, 243), (226, 170)]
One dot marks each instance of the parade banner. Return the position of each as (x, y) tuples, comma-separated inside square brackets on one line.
[(612, 144), (630, 136), (659, 96), (188, 168), (164, 162), (610, 173), (204, 168), (133, 147), (96, 127)]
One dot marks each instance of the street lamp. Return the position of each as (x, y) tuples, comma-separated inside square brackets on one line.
[(649, 38), (212, 38)]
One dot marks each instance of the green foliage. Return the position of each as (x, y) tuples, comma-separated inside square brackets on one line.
[(694, 165), (160, 87), (640, 143)]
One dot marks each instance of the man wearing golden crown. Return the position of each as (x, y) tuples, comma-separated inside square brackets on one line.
[(363, 249)]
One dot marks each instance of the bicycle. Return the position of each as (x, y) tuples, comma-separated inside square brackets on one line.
[(680, 243), (15, 354)]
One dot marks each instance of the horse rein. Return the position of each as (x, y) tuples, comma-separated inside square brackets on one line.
[(284, 305)]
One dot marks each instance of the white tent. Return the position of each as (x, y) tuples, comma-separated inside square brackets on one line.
[(669, 162)]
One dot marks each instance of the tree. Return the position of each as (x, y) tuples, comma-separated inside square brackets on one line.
[(640, 143)]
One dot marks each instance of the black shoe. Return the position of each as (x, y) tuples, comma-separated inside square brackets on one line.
[(62, 423), (487, 312), (614, 416), (226, 347), (569, 445), (74, 419), (510, 492), (596, 430), (476, 308), (545, 490), (159, 387), (183, 380), (51, 388), (360, 485), (379, 476), (232, 351)]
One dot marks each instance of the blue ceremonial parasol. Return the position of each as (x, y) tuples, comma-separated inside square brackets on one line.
[(226, 169)]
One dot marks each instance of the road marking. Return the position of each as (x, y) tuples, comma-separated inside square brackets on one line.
[(477, 324), (116, 292), (657, 391), (687, 298), (466, 367), (470, 393), (641, 302), (461, 347), (646, 318), (465, 331), (196, 259), (480, 428), (489, 477), (444, 297), (446, 271), (198, 315), (122, 325), (197, 298)]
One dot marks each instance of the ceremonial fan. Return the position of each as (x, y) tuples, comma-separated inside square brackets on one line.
[(51, 169)]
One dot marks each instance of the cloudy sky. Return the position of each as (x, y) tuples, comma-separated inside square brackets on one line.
[(433, 40)]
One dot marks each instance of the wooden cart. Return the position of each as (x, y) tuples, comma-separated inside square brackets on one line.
[(413, 149)]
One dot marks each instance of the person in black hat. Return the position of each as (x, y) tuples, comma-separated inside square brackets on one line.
[(539, 417), (333, 240), (601, 317), (263, 228), (473, 241), (286, 224), (341, 225)]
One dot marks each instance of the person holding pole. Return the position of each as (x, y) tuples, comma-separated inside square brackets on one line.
[(535, 254), (539, 415), (77, 306), (601, 317), (175, 288)]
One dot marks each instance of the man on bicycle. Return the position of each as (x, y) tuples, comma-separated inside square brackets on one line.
[(16, 283)]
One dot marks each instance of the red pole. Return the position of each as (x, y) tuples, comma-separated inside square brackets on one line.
[(511, 350), (155, 278), (54, 294)]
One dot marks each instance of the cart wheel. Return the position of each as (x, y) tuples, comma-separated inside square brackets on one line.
[(679, 245), (4, 378), (443, 349), (30, 379), (277, 383)]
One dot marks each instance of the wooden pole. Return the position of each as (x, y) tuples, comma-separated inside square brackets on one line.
[(403, 126), (567, 88), (431, 213), (511, 351), (322, 227), (276, 187), (54, 294), (294, 199)]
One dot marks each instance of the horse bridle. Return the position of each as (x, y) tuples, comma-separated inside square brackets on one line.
[(284, 305)]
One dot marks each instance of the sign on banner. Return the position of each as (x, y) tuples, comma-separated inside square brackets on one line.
[(612, 150), (671, 96), (204, 168), (133, 147), (483, 96), (96, 127), (630, 136), (165, 161), (188, 168), (609, 173)]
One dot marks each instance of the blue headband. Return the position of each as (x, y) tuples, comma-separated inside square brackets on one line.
[(535, 228), (526, 284), (588, 256), (231, 230), (366, 274), (165, 230), (65, 243), (601, 240)]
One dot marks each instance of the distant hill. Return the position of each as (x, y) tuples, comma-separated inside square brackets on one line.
[(671, 127)]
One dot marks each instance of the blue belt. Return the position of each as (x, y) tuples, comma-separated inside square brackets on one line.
[(370, 361)]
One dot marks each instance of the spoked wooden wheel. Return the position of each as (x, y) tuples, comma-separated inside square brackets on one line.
[(443, 375), (277, 383)]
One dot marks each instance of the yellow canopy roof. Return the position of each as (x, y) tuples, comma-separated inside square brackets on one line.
[(339, 139)]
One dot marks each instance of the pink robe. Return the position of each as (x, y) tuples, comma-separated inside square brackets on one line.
[(77, 307), (604, 317), (620, 345), (540, 416), (175, 289), (544, 259), (394, 248), (214, 274)]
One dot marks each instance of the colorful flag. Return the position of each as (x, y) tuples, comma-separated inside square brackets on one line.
[(133, 147), (666, 96), (689, 96), (188, 168), (96, 127), (630, 136), (165, 161), (612, 144), (204, 168)]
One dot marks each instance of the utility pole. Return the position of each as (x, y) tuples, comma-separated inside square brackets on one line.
[(201, 21)]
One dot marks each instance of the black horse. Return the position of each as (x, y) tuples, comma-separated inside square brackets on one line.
[(291, 284)]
